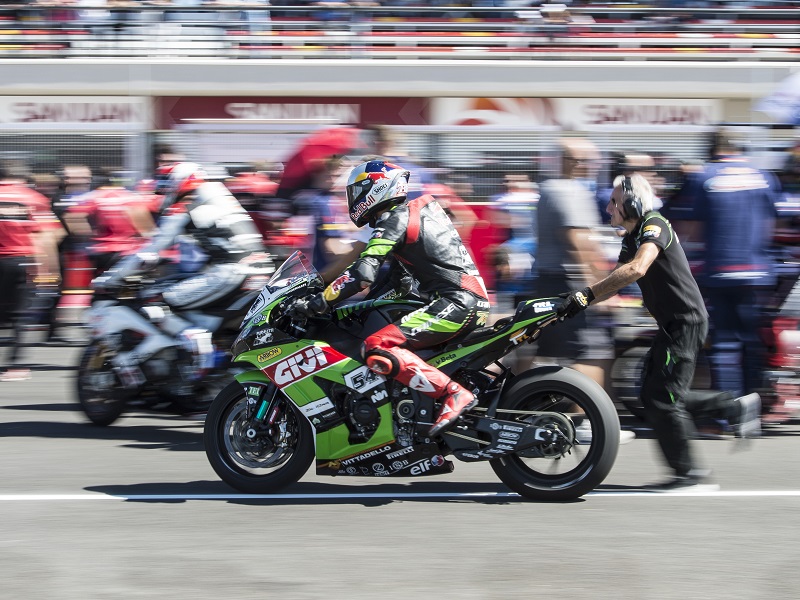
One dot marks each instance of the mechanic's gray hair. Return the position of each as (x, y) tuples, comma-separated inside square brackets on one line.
[(641, 188)]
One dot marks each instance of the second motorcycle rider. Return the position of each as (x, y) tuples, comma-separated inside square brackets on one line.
[(420, 236)]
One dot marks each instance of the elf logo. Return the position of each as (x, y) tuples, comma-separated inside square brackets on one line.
[(302, 364), (424, 466)]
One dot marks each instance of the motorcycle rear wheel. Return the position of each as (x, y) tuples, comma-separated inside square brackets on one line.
[(585, 462), (255, 465), (98, 387)]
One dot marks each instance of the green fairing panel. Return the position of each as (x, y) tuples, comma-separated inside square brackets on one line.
[(333, 443)]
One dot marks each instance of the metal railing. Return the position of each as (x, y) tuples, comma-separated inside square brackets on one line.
[(245, 31)]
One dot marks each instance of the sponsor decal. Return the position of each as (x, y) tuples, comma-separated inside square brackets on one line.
[(483, 318), (269, 354), (332, 292), (253, 390), (400, 452), (351, 470), (651, 231), (317, 406), (419, 382), (446, 311), (363, 379), (399, 464), (302, 364), (264, 337), (423, 466), (496, 426), (365, 455), (443, 359), (379, 395), (378, 467), (509, 436), (518, 337), (540, 307), (513, 428)]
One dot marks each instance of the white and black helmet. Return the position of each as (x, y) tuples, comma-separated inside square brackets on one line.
[(373, 187)]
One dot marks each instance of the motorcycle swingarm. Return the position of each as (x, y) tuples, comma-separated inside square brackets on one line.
[(507, 437)]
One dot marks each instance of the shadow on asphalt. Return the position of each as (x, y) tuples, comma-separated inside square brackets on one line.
[(177, 435), (171, 493)]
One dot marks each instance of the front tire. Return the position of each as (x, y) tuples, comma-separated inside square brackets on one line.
[(249, 456), (585, 460), (98, 387)]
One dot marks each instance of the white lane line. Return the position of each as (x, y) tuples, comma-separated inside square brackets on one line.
[(384, 496)]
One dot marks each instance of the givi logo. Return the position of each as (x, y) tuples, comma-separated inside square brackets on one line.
[(302, 364)]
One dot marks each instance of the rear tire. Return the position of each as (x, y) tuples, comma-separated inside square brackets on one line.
[(585, 464)]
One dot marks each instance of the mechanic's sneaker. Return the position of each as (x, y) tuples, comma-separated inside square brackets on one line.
[(583, 434), (697, 480), (15, 374), (453, 406), (748, 424)]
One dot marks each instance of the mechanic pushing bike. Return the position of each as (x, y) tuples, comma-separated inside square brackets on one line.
[(652, 257)]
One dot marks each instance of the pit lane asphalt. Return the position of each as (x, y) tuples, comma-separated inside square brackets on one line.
[(135, 511)]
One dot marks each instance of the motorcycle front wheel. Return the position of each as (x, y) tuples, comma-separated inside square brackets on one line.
[(98, 387), (251, 456), (585, 445)]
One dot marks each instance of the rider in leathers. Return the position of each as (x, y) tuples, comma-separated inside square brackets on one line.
[(204, 217), (419, 234)]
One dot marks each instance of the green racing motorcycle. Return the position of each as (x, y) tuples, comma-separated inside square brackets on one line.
[(305, 394)]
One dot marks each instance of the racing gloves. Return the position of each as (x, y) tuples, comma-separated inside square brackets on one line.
[(312, 306), (575, 302)]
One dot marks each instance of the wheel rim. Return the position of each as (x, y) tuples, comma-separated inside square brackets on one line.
[(257, 449), (577, 441)]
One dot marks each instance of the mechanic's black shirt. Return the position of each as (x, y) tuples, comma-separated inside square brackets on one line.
[(669, 290)]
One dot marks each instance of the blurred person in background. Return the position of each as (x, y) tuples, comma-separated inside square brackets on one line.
[(421, 239), (114, 220), (203, 216), (652, 257), (75, 181), (29, 236), (321, 213), (733, 205), (515, 212), (569, 257), (384, 143)]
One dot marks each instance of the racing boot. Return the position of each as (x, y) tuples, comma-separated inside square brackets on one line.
[(457, 401)]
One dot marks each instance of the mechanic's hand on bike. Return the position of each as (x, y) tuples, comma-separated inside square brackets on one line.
[(574, 302)]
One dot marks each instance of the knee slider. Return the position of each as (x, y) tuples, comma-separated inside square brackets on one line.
[(382, 363)]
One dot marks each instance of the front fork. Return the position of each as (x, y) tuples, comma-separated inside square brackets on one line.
[(264, 403)]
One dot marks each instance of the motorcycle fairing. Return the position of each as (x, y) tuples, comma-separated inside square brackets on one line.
[(332, 434), (389, 460)]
